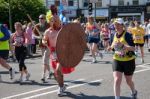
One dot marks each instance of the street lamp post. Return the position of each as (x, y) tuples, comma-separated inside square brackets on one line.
[(95, 12), (10, 18)]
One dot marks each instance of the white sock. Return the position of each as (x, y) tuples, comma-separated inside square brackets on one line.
[(117, 97)]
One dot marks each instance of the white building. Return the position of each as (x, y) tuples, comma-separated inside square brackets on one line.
[(105, 9)]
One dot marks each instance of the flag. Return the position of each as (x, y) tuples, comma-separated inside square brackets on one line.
[(61, 7)]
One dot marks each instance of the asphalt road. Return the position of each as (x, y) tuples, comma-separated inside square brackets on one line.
[(88, 81)]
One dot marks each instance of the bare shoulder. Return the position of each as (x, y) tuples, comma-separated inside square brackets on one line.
[(47, 31)]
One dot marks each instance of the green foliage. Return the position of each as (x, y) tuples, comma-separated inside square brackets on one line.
[(20, 9)]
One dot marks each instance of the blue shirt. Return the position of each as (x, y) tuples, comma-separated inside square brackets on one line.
[(6, 33)]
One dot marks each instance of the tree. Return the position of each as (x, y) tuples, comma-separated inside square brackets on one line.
[(20, 9)]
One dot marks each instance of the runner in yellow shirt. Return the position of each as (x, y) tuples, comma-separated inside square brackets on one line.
[(138, 36)]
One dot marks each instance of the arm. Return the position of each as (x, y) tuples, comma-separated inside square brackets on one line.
[(45, 38), (5, 32), (35, 31), (130, 45)]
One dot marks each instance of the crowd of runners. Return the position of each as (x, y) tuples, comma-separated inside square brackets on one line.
[(125, 38)]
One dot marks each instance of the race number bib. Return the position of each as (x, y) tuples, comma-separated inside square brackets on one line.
[(138, 37)]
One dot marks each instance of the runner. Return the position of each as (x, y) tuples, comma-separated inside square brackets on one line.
[(42, 26), (138, 36), (93, 31), (18, 40), (123, 58), (49, 39), (4, 50), (105, 36)]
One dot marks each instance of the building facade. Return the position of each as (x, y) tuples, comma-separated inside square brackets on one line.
[(106, 9)]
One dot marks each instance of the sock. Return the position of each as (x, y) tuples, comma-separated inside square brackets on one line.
[(117, 97)]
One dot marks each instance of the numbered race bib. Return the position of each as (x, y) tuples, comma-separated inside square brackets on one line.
[(138, 37)]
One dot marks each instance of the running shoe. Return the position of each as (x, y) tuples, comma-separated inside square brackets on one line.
[(50, 75), (61, 91), (134, 95), (142, 60), (43, 80), (94, 61), (28, 76), (21, 79), (101, 55)]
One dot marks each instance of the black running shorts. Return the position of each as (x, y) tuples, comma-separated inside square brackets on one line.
[(4, 54), (126, 67)]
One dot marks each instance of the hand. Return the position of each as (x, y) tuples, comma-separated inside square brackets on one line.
[(44, 42), (14, 44), (109, 48)]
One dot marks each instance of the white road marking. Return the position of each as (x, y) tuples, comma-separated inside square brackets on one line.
[(144, 64), (9, 97), (141, 70), (21, 94), (74, 86)]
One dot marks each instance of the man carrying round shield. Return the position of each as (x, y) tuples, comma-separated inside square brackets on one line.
[(50, 38)]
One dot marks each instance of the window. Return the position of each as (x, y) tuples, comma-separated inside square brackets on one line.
[(148, 9), (70, 3), (85, 3), (121, 2), (135, 2), (57, 2), (99, 4)]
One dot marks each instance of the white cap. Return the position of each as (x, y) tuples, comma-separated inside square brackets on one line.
[(119, 20)]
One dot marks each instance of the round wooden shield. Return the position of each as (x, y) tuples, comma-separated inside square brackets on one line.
[(70, 45)]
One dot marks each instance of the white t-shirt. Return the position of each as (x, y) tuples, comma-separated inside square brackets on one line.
[(148, 29)]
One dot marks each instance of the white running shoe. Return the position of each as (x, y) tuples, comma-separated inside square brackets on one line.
[(94, 61), (134, 95), (28, 76), (142, 60), (21, 79), (101, 55), (61, 91), (43, 80)]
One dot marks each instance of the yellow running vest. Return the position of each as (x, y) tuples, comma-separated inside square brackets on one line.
[(4, 45), (120, 53), (138, 35)]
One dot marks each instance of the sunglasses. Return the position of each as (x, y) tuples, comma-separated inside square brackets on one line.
[(41, 18)]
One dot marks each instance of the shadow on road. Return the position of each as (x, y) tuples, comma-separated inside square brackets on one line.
[(83, 96), (98, 62), (30, 82)]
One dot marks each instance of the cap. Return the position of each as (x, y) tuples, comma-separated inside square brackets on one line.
[(119, 20)]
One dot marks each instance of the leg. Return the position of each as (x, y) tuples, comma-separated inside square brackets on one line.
[(142, 54), (130, 82), (131, 85), (117, 83), (59, 75), (60, 79), (5, 65), (94, 49)]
